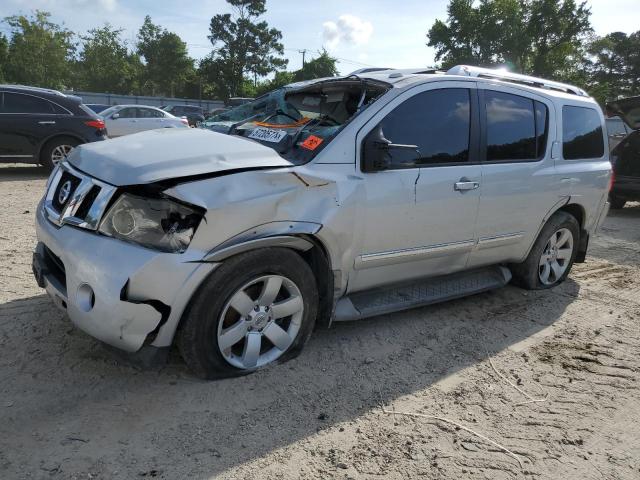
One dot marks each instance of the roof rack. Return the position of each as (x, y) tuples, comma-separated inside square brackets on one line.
[(504, 76)]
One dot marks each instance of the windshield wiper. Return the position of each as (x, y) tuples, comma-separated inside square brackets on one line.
[(236, 125)]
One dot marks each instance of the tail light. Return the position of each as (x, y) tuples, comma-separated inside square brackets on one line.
[(98, 124)]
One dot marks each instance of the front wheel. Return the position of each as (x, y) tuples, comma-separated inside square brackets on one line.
[(551, 258), (256, 309), (56, 150)]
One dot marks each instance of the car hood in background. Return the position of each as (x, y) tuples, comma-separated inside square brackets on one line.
[(164, 154), (628, 109)]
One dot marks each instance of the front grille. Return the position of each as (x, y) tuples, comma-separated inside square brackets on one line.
[(55, 267), (76, 199), (68, 181), (86, 204)]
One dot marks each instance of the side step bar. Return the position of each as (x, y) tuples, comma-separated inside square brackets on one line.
[(419, 293)]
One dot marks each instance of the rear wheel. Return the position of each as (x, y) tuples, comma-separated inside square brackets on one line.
[(552, 255), (616, 202), (56, 150), (256, 309)]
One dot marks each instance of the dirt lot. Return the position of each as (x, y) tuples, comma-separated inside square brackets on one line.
[(68, 410)]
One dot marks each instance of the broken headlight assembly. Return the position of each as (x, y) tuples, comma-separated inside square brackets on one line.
[(157, 223)]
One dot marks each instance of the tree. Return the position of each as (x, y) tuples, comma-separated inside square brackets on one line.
[(105, 64), (242, 45), (4, 55), (39, 51), (167, 62), (614, 66), (322, 66), (539, 37)]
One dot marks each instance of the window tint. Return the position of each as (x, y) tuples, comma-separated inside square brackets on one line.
[(437, 121), (516, 127), (148, 113), (129, 112), (627, 156), (581, 133), (18, 103)]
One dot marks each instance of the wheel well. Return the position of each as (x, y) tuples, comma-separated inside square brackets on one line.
[(55, 137), (577, 211), (318, 260)]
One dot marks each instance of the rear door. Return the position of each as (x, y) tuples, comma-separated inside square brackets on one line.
[(25, 120), (148, 119), (519, 180), (420, 214)]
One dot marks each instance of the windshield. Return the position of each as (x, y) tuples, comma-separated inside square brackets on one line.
[(300, 122)]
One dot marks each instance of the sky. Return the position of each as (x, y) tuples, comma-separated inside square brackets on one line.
[(360, 33)]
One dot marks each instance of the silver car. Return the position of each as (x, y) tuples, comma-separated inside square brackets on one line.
[(126, 119), (357, 196)]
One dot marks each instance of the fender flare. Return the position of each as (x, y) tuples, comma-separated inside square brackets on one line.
[(273, 234)]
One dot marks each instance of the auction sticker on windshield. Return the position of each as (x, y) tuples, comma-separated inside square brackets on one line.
[(267, 134)]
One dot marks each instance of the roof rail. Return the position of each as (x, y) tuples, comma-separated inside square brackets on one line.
[(35, 89), (505, 76)]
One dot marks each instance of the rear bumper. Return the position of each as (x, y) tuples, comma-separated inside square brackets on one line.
[(120, 293)]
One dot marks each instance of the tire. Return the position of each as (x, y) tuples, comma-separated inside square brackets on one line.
[(53, 150), (217, 340), (532, 274), (616, 202)]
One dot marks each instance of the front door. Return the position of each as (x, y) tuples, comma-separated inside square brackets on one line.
[(420, 213)]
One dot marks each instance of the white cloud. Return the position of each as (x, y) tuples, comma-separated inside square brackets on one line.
[(349, 29)]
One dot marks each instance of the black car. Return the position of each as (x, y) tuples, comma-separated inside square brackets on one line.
[(193, 113), (625, 157), (42, 126)]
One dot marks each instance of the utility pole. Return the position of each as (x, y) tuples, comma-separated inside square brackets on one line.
[(303, 52)]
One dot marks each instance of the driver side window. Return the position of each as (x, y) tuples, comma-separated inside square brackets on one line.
[(437, 121)]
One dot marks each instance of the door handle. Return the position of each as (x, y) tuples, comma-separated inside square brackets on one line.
[(464, 185), (47, 122)]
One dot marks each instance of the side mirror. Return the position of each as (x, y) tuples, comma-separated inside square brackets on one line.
[(375, 151), (115, 116)]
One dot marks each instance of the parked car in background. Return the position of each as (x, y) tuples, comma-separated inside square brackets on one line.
[(616, 130), (42, 126), (97, 107), (359, 196), (625, 157), (127, 119), (193, 113)]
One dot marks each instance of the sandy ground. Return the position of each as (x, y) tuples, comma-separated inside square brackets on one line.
[(68, 410)]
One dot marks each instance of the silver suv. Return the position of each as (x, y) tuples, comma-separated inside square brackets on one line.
[(353, 197)]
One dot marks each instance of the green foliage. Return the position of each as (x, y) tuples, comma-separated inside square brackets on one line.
[(322, 66), (614, 66), (243, 45), (538, 37), (168, 66), (4, 55), (39, 51), (105, 64)]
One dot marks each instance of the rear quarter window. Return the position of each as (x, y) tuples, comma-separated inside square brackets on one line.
[(581, 133)]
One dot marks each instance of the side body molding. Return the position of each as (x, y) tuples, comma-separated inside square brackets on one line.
[(274, 234)]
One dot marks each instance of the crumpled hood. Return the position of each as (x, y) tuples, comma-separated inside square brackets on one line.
[(169, 153)]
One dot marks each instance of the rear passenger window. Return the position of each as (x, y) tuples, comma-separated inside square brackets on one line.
[(18, 103), (581, 133), (516, 127), (437, 121)]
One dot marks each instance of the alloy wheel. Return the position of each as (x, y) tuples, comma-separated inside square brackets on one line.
[(260, 321), (59, 153), (556, 256)]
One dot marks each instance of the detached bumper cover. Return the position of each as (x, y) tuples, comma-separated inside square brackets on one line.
[(68, 259)]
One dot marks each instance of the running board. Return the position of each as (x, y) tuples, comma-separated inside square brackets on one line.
[(419, 293)]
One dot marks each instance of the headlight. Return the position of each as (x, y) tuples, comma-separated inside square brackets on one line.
[(157, 223)]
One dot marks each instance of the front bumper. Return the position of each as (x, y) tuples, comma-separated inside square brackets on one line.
[(120, 293)]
